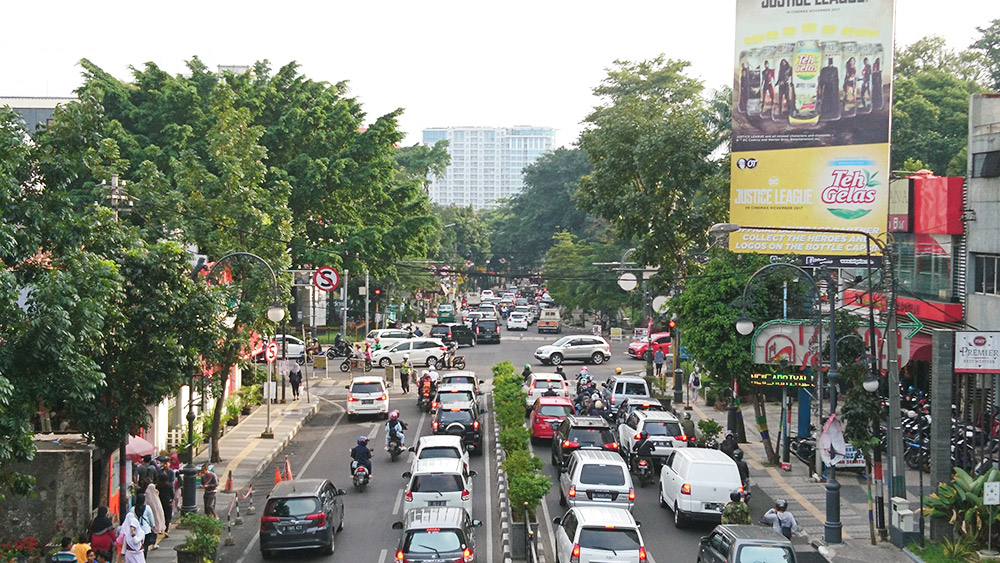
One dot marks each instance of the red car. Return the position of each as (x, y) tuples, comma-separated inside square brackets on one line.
[(544, 412), (639, 349)]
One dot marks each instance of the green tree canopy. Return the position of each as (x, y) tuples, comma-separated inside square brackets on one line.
[(988, 48)]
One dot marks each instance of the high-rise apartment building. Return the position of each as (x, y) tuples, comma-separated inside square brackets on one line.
[(487, 163)]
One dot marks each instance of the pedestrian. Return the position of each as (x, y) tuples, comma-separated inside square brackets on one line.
[(132, 539), (781, 520), (658, 361), (159, 516), (737, 511), (295, 379), (694, 386), (102, 531), (80, 548), (175, 465), (65, 553), (144, 515), (102, 556), (405, 373), (91, 556), (210, 483), (166, 493)]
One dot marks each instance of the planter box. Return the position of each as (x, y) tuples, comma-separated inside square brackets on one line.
[(233, 421), (245, 411), (184, 556), (519, 538)]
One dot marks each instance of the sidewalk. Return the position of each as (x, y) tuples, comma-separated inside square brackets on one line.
[(246, 454), (806, 497)]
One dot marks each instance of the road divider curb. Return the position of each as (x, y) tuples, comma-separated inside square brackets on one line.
[(504, 504)]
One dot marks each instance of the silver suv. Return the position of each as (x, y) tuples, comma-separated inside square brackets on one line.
[(592, 349)]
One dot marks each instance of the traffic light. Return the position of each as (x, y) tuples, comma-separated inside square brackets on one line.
[(376, 293), (672, 327)]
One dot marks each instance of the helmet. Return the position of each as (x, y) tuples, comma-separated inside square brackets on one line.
[(781, 504), (736, 495), (584, 369), (550, 386), (687, 416), (618, 371), (595, 397), (527, 367), (738, 454), (362, 440), (644, 435), (598, 404), (406, 356), (425, 373), (393, 415)]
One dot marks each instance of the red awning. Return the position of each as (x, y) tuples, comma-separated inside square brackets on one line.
[(920, 348)]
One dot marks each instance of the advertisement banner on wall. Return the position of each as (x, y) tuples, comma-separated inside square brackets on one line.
[(811, 103), (977, 352)]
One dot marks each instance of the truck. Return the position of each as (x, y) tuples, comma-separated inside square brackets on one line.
[(548, 321), (472, 298)]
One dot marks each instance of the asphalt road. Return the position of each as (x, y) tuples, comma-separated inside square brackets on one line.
[(321, 449)]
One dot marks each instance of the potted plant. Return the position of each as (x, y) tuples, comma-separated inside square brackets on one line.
[(202, 544), (233, 407), (249, 397), (710, 397)]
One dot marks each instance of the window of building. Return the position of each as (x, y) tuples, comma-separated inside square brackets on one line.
[(985, 275), (986, 164), (925, 265)]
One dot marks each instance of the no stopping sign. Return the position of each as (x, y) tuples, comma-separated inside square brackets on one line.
[(326, 278)]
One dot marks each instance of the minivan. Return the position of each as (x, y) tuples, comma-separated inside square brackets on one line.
[(446, 313), (367, 395), (436, 534), (488, 331), (304, 513), (596, 478), (695, 484)]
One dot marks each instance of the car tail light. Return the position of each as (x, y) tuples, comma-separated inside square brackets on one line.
[(575, 555), (449, 335), (477, 330), (350, 398), (399, 555), (475, 425), (642, 462), (434, 425), (382, 398), (638, 436), (686, 489), (631, 494), (572, 492), (568, 444), (320, 517), (465, 494), (741, 490), (612, 399), (611, 445), (443, 348), (467, 556), (409, 496), (642, 553), (434, 405), (681, 438)]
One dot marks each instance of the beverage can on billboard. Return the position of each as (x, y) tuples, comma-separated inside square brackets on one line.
[(805, 76), (829, 82)]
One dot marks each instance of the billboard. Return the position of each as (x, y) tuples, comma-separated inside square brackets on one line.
[(810, 141), (977, 352)]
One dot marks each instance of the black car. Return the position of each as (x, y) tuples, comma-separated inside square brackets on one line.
[(488, 330), (581, 433), (304, 513), (454, 332), (460, 419), (437, 533)]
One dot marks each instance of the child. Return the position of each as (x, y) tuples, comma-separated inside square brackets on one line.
[(80, 549)]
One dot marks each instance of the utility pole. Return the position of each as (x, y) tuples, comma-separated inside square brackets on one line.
[(343, 295), (367, 301)]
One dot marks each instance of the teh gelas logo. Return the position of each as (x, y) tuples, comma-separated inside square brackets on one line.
[(745, 163), (851, 188), (979, 341)]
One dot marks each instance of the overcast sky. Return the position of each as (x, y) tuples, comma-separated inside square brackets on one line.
[(446, 63)]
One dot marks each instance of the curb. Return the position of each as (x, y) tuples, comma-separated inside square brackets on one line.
[(502, 494), (911, 555), (281, 444)]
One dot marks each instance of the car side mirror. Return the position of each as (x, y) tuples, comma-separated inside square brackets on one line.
[(638, 524), (341, 492), (704, 540), (411, 449), (481, 382), (397, 525), (473, 473), (477, 523), (469, 448), (348, 387), (557, 521), (407, 475)]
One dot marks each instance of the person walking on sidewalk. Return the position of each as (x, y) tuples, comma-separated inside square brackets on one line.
[(159, 516), (780, 519), (165, 492), (80, 548), (210, 483), (694, 387), (658, 361), (65, 553), (295, 379), (133, 538), (405, 372), (144, 514), (102, 531), (737, 511)]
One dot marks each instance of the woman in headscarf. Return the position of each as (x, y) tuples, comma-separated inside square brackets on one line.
[(144, 514), (175, 464), (102, 531), (295, 378), (159, 518), (134, 539)]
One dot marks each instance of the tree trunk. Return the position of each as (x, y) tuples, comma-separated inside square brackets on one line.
[(761, 415), (105, 482), (220, 402)]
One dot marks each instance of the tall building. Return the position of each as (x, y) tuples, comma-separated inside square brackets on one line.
[(984, 220), (35, 110), (487, 163)]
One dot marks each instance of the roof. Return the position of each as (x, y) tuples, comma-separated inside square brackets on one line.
[(34, 102), (642, 401), (434, 517), (297, 488), (657, 415), (439, 465), (754, 533), (547, 377), (628, 378), (460, 373), (543, 400), (600, 456), (460, 406), (590, 421), (601, 516), (455, 387), (367, 379), (440, 441), (705, 454)]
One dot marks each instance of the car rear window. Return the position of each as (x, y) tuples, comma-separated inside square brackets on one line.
[(764, 554), (615, 539), (487, 325), (663, 428), (298, 506), (596, 474), (439, 453), (591, 436), (555, 410), (436, 483), (366, 388), (636, 388), (439, 331), (458, 379), (457, 396), (432, 541), (449, 416)]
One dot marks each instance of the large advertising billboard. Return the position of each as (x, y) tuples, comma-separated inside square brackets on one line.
[(811, 105)]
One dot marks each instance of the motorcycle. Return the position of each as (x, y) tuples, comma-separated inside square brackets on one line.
[(346, 365), (804, 448), (458, 362), (342, 351), (395, 448), (361, 476), (643, 471), (424, 402)]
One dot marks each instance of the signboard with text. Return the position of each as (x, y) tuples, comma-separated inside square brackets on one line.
[(810, 135), (781, 379), (977, 352)]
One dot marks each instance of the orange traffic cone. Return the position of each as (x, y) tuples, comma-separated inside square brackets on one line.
[(288, 469), (229, 483), (277, 475)]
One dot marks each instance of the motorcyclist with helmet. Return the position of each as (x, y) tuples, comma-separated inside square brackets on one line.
[(394, 430), (361, 455), (737, 511), (425, 387), (743, 467), (687, 425), (526, 372), (550, 391), (643, 449)]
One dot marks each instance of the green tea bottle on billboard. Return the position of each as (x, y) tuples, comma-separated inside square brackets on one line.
[(805, 78), (784, 55), (753, 96), (829, 76), (878, 54), (849, 74)]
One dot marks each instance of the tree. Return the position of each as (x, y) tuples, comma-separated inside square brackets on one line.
[(463, 236), (988, 47), (421, 162), (650, 144)]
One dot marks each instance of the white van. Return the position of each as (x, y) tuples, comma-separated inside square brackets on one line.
[(695, 484)]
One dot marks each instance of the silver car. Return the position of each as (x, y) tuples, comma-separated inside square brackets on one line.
[(592, 349)]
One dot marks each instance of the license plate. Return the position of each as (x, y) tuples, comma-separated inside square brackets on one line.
[(367, 401), (713, 506), (293, 528), (601, 496), (436, 503)]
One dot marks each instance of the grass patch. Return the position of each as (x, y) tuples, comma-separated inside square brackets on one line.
[(933, 553)]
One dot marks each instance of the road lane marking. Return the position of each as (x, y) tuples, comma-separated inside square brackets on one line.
[(381, 556), (399, 501), (548, 520)]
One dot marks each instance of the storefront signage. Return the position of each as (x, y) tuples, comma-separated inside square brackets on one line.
[(781, 380), (977, 352)]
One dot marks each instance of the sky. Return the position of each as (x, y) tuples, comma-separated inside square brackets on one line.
[(445, 62)]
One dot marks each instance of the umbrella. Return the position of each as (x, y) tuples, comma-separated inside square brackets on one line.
[(137, 447)]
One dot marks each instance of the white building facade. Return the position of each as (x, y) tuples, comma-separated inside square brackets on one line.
[(487, 163), (984, 202)]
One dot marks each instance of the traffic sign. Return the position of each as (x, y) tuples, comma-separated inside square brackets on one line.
[(271, 352), (419, 296), (991, 493), (914, 323), (326, 278)]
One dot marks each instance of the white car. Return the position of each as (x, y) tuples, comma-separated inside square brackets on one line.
[(367, 395), (587, 534), (663, 427), (486, 294), (440, 446), (439, 482), (488, 310), (528, 313), (539, 384), (422, 352), (695, 484), (291, 346), (387, 336), (470, 316), (517, 321), (596, 478)]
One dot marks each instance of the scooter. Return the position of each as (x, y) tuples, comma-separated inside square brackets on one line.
[(395, 448), (342, 351), (424, 402), (458, 362), (346, 365), (643, 471)]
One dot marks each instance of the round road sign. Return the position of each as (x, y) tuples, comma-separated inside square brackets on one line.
[(419, 296), (271, 352), (659, 303), (627, 281), (326, 278)]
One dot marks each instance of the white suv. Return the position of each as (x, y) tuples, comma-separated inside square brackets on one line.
[(517, 321), (439, 482), (439, 447), (663, 428), (696, 482), (587, 534), (538, 385), (596, 478), (367, 395)]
